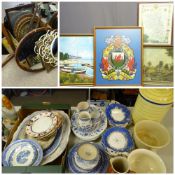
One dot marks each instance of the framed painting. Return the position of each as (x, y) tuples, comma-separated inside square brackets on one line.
[(157, 20), (76, 59), (118, 55), (158, 66)]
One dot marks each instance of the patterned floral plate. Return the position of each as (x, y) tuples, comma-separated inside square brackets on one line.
[(22, 153)]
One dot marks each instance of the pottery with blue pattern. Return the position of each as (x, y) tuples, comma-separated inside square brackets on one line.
[(123, 118), (117, 141), (22, 153), (100, 167)]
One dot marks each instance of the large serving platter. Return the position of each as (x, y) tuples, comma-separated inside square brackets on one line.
[(56, 148)]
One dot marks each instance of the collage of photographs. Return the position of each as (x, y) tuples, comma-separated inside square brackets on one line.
[(87, 87)]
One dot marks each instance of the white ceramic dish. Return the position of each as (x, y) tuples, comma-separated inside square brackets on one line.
[(151, 135), (145, 161)]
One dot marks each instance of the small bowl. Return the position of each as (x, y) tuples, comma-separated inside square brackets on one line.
[(87, 156), (83, 106), (150, 135), (145, 161)]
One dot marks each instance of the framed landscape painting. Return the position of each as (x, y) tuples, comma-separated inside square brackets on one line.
[(118, 55), (158, 66), (76, 59), (157, 20)]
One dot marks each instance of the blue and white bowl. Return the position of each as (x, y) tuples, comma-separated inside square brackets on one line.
[(117, 141), (100, 163), (22, 153), (87, 156), (118, 115)]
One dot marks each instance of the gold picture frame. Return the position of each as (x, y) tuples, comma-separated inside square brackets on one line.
[(70, 35)]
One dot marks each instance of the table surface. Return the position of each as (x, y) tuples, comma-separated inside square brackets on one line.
[(13, 75), (165, 153)]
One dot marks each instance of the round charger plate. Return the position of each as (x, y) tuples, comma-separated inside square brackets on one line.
[(100, 168), (117, 140), (22, 153), (41, 124), (90, 133), (122, 116)]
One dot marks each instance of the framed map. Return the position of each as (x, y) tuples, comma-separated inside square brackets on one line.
[(158, 66), (157, 21), (118, 55)]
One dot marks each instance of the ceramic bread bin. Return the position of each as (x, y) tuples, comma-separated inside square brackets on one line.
[(152, 104)]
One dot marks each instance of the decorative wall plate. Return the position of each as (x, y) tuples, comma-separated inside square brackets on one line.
[(42, 124), (90, 133), (22, 153), (117, 140), (101, 166), (118, 115)]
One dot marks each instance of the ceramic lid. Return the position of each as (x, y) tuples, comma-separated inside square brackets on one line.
[(87, 151), (161, 96)]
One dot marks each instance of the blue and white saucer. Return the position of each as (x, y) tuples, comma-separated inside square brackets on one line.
[(91, 132), (22, 153), (101, 166), (117, 140), (118, 115)]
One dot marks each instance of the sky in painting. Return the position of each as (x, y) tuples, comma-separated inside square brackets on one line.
[(77, 46), (154, 55)]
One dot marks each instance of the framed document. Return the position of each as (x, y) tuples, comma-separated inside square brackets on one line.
[(158, 66), (157, 20), (76, 59), (118, 55)]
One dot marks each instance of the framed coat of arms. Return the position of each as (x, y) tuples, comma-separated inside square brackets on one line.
[(118, 55)]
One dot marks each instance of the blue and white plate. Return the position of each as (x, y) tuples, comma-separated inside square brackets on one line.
[(118, 115), (117, 140), (101, 167), (89, 133), (22, 153)]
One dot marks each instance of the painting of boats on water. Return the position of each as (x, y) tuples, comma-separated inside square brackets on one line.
[(76, 60), (158, 65)]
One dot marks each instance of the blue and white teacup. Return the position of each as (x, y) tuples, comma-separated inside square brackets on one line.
[(84, 119), (95, 115), (87, 156)]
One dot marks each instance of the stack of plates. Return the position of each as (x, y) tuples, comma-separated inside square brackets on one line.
[(52, 143), (118, 115), (87, 158), (117, 140), (22, 153), (99, 124)]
